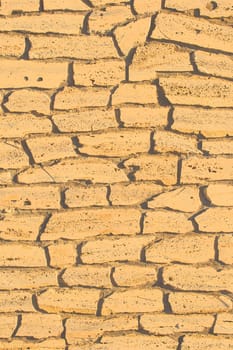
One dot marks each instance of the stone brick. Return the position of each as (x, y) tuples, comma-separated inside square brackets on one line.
[(84, 275), (162, 324), (86, 196), (190, 303), (48, 148), (92, 169), (68, 23), (82, 46), (48, 344), (220, 194), (115, 143), (91, 328), (146, 6), (91, 223), (203, 169), (62, 254), (144, 117), (9, 6), (22, 255), (215, 146), (12, 155), (154, 167), (135, 93), (209, 122), (16, 301), (7, 325), (120, 249), (19, 74), (89, 120), (216, 220), (158, 57), (71, 98), (11, 44), (223, 9), (166, 141), (167, 221), (191, 89), (223, 324), (135, 275), (5, 177), (74, 5), (101, 73), (133, 193), (40, 326), (104, 20), (79, 300), (133, 300), (132, 34), (186, 249), (225, 248), (193, 30), (185, 198), (20, 227), (27, 278), (25, 100), (214, 64), (13, 125), (198, 278), (37, 197), (202, 342), (135, 341)]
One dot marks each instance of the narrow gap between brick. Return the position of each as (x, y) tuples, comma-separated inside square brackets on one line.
[(85, 28), (112, 277), (28, 152), (36, 306), (203, 196), (180, 341), (60, 279), (18, 325), (211, 330), (79, 253), (108, 195), (216, 249), (28, 45), (128, 62), (43, 226), (118, 118)]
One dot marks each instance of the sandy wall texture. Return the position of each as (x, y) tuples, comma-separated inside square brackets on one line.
[(116, 175)]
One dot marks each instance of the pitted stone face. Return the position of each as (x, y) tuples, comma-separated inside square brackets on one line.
[(116, 174)]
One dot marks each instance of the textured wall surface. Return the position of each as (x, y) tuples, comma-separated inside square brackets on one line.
[(116, 175)]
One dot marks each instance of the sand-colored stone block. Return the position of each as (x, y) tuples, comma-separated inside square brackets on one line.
[(189, 249), (78, 46), (91, 223), (201, 303), (119, 249), (201, 342), (7, 325), (166, 141), (40, 326), (86, 196), (203, 169), (158, 57), (214, 64), (25, 100), (90, 328), (27, 278), (167, 221), (92, 169), (193, 30), (146, 6), (9, 6), (12, 155), (144, 117), (216, 220), (62, 254), (134, 300), (223, 324), (20, 74), (73, 5), (133, 193), (220, 194), (27, 197), (214, 122), (132, 34), (205, 278), (11, 44), (21, 255), (218, 146), (104, 20), (72, 98), (88, 275), (88, 120), (115, 143), (135, 93), (135, 275), (154, 168), (197, 90), (80, 300), (225, 245), (16, 301)]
